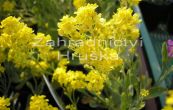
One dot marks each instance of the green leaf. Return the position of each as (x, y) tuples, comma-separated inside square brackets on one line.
[(30, 86), (165, 74), (94, 104), (40, 87), (124, 102), (164, 53), (155, 92)]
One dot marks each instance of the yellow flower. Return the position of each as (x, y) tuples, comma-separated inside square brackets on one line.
[(63, 62), (76, 79), (12, 25), (40, 43), (168, 107), (73, 80), (19, 37), (60, 76), (169, 101), (4, 103), (102, 59), (95, 82), (79, 3), (23, 45), (46, 25), (71, 107), (37, 68), (86, 21), (1, 69), (54, 56), (87, 25), (39, 102), (43, 65), (70, 80), (67, 27), (8, 6), (123, 25), (144, 93)]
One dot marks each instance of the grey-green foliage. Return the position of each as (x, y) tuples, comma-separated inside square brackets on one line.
[(123, 89)]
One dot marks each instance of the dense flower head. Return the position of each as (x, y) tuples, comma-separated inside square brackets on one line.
[(19, 37), (87, 22), (38, 68), (88, 25), (169, 101), (39, 102), (63, 63), (97, 56), (87, 19), (40, 42), (18, 44), (79, 3), (95, 81), (67, 27), (124, 24), (144, 92), (71, 107), (8, 5), (12, 25), (74, 80), (70, 80), (4, 103)]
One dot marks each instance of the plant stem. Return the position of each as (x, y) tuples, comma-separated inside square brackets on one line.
[(53, 92)]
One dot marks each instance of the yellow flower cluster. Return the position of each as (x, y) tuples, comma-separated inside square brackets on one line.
[(18, 44), (38, 68), (129, 2), (70, 107), (87, 22), (144, 93), (41, 44), (103, 59), (63, 62), (95, 81), (15, 38), (88, 25), (73, 80), (4, 103), (39, 102), (169, 101), (79, 3), (123, 25), (70, 80), (8, 5)]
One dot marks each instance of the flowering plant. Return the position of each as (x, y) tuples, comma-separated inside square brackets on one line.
[(104, 48)]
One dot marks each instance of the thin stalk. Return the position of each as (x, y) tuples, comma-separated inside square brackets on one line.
[(52, 92)]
